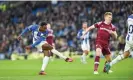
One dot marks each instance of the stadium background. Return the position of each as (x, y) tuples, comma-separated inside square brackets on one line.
[(65, 18)]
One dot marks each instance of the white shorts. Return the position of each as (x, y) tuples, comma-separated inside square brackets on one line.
[(128, 46), (39, 46), (85, 45)]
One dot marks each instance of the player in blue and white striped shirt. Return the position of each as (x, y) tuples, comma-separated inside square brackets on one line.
[(85, 44), (40, 33)]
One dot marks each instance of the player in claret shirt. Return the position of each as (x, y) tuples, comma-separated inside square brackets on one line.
[(40, 33), (105, 29), (50, 39)]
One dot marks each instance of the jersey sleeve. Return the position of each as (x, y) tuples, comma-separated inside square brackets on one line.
[(29, 28), (79, 34), (113, 28), (50, 31), (32, 27), (97, 24)]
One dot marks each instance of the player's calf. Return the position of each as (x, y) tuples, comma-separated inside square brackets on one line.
[(108, 58), (54, 51), (97, 59), (46, 53)]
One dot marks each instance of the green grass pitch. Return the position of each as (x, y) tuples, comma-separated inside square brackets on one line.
[(61, 70)]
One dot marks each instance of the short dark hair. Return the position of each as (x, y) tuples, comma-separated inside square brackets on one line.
[(43, 23)]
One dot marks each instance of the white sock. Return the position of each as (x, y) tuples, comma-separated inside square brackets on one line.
[(45, 63), (54, 51), (84, 56), (117, 59)]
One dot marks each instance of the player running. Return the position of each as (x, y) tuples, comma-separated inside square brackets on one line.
[(85, 44), (40, 33), (105, 29), (128, 46)]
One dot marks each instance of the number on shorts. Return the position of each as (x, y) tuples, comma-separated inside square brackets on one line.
[(131, 29)]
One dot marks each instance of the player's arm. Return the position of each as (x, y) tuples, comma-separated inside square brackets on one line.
[(96, 25), (79, 35), (114, 34), (27, 29), (90, 28)]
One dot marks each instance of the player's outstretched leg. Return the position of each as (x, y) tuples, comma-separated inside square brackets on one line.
[(45, 63), (61, 55), (54, 51)]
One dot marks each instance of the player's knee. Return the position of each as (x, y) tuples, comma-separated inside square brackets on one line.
[(47, 47), (126, 54), (86, 52), (46, 54), (98, 52)]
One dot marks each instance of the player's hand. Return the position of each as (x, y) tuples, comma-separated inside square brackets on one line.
[(110, 31), (53, 45), (19, 37), (28, 47)]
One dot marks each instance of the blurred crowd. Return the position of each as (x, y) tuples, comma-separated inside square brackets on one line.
[(65, 18)]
